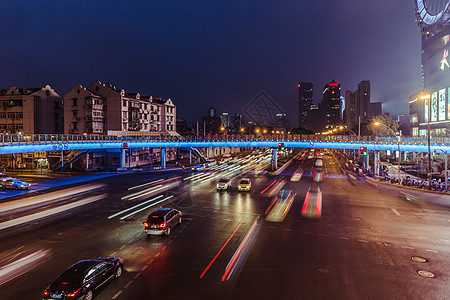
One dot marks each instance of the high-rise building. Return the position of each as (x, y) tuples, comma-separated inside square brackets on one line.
[(225, 118), (350, 109), (375, 108), (31, 111), (363, 100), (305, 100), (434, 22), (281, 120), (331, 104)]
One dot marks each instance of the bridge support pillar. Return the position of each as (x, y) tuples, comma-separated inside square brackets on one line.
[(190, 157), (274, 159), (122, 158), (163, 158)]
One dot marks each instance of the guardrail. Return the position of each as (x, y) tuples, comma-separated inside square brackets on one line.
[(51, 138)]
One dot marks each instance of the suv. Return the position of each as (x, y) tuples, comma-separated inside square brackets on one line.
[(224, 184), (161, 221)]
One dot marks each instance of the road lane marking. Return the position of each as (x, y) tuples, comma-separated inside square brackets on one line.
[(157, 254), (321, 234), (128, 284), (143, 268), (363, 241), (123, 246), (215, 257), (114, 253), (448, 241), (170, 242), (396, 212), (431, 250), (306, 232), (163, 248), (117, 295), (423, 237), (407, 247), (137, 275), (343, 238)]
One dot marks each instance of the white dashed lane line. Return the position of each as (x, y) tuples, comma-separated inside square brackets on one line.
[(117, 295), (407, 247), (123, 246), (128, 284), (429, 250), (343, 238), (396, 212)]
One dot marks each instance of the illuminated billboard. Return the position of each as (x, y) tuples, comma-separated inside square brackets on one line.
[(434, 109), (442, 105)]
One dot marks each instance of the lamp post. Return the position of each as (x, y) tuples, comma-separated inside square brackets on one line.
[(427, 99), (445, 174), (398, 144)]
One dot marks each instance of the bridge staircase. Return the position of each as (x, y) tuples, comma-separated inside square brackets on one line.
[(196, 152), (71, 157)]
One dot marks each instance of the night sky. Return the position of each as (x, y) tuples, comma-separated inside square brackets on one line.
[(210, 53)]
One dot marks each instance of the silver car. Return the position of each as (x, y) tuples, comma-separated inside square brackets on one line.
[(161, 221), (15, 184), (224, 184)]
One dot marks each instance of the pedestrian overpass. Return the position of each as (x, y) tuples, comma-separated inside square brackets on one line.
[(22, 143)]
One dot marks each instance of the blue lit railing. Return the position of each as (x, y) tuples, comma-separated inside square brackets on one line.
[(69, 138)]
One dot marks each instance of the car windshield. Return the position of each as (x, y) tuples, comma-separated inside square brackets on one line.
[(245, 181), (224, 180)]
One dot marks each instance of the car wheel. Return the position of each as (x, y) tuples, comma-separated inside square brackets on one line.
[(179, 220), (169, 229), (149, 236), (89, 295), (118, 272)]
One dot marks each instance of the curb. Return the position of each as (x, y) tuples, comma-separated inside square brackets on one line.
[(408, 187)]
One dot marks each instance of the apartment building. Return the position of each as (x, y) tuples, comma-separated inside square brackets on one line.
[(30, 111)]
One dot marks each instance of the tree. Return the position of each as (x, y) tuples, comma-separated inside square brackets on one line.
[(381, 130)]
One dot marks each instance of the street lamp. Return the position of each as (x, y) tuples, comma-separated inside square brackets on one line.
[(427, 99), (445, 153), (398, 144)]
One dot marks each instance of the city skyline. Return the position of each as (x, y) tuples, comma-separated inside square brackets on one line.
[(208, 54)]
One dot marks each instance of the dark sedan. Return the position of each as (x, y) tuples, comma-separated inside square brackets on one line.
[(83, 278)]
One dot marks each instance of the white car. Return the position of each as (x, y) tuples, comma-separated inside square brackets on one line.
[(224, 184)]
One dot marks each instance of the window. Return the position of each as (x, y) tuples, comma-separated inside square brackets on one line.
[(124, 103), (74, 101)]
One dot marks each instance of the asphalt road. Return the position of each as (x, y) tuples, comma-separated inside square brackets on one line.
[(360, 248)]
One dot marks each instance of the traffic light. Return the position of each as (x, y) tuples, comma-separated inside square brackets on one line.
[(363, 150), (281, 146), (125, 146)]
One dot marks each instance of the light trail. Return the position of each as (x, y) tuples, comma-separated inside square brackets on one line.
[(21, 266), (49, 212), (148, 183), (136, 206), (139, 210), (138, 194), (240, 254), (263, 191), (215, 257), (275, 188)]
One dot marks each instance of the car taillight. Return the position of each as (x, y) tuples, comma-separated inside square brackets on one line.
[(73, 294), (162, 225), (45, 293), (145, 224)]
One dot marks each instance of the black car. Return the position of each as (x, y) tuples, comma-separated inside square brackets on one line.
[(83, 278)]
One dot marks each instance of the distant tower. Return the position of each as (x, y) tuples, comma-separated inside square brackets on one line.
[(363, 100), (331, 104), (350, 109), (305, 100)]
